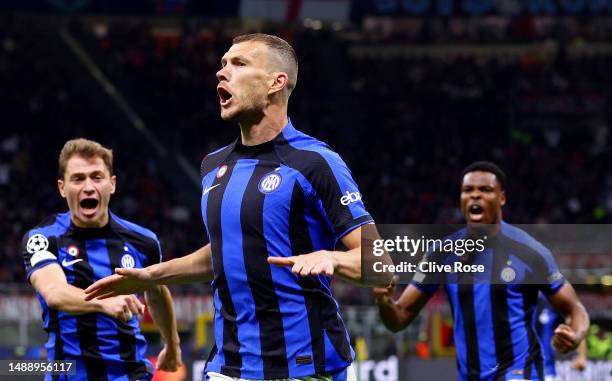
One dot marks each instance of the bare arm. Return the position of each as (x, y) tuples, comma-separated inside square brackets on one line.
[(568, 336), (192, 268), (579, 362), (161, 308), (51, 284), (398, 314), (344, 264)]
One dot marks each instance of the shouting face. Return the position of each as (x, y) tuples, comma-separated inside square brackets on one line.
[(87, 187), (481, 198), (244, 81)]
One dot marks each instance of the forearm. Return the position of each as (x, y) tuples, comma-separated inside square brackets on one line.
[(70, 299), (579, 320), (161, 308), (194, 267), (348, 265), (392, 317)]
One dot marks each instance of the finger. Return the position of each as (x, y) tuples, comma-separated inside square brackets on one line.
[(102, 284), (139, 305), (128, 316), (297, 268), (127, 272), (281, 261), (131, 304), (107, 294)]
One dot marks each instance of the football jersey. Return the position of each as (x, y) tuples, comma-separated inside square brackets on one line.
[(289, 196), (104, 348)]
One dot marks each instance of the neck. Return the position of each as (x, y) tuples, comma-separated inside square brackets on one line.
[(265, 129), (91, 225)]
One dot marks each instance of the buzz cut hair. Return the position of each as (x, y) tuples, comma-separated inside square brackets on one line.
[(282, 48), (87, 149), (487, 166)]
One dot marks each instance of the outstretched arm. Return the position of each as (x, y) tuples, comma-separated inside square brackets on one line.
[(161, 308), (568, 336), (195, 267)]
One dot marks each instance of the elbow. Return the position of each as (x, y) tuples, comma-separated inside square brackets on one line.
[(52, 300)]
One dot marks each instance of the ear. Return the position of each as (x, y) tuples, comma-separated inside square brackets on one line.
[(113, 180), (60, 186), (502, 198), (280, 80)]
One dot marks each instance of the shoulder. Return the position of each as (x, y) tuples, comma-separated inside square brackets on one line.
[(213, 159), (51, 226), (131, 228), (298, 149), (526, 242)]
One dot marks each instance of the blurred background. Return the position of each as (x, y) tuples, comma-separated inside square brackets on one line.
[(408, 92)]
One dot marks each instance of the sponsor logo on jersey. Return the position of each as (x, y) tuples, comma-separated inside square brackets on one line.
[(350, 197)]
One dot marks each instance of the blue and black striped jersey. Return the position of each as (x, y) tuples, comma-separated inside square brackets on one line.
[(104, 348), (547, 320), (289, 196), (494, 332)]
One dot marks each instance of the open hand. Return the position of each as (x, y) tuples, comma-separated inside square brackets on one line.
[(318, 263), (123, 282)]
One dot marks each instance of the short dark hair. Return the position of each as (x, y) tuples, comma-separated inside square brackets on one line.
[(281, 47), (487, 166)]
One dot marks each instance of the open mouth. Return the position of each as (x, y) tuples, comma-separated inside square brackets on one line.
[(224, 96), (476, 212), (89, 205)]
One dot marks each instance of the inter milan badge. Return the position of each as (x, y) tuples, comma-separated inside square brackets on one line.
[(73, 250), (221, 171), (127, 261), (36, 243), (508, 274), (270, 182)]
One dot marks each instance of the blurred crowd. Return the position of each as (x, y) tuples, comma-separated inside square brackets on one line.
[(406, 125)]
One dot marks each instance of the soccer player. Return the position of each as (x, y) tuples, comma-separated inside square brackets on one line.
[(547, 320), (68, 252), (275, 203), (493, 323)]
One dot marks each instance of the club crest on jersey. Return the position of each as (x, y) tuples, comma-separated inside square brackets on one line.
[(36, 243), (270, 182), (127, 261), (508, 274), (73, 250), (221, 171)]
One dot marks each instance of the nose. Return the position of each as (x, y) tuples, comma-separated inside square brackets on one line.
[(88, 187), (222, 74)]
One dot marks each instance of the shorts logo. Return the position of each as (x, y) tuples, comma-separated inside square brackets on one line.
[(350, 197), (127, 261), (270, 182), (221, 171), (508, 274), (73, 250), (36, 243)]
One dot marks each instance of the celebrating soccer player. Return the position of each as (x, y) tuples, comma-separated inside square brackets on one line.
[(494, 331), (68, 252), (275, 203)]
